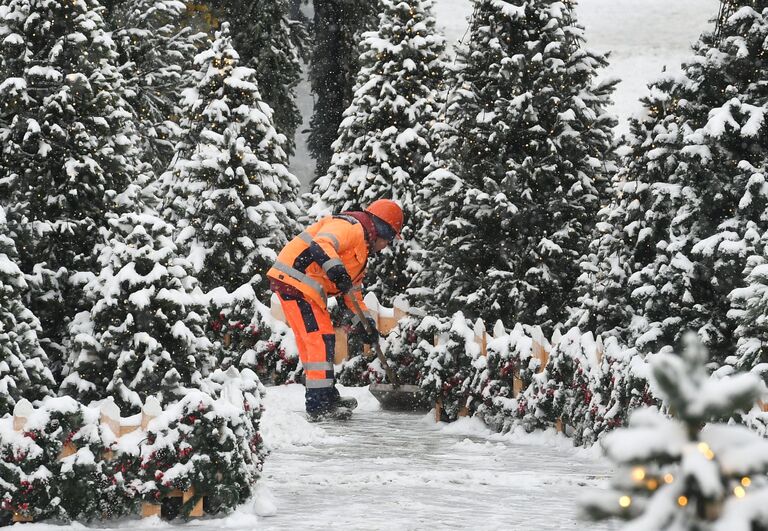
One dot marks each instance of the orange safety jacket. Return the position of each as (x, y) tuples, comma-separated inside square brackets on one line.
[(305, 262)]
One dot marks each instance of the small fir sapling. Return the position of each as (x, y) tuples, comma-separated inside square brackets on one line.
[(250, 337), (69, 147), (448, 367), (509, 360), (692, 470), (181, 454), (55, 468), (407, 347), (229, 192), (623, 387)]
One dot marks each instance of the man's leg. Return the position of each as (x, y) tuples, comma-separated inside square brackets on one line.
[(316, 342)]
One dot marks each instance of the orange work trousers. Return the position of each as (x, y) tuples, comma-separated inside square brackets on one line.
[(316, 342)]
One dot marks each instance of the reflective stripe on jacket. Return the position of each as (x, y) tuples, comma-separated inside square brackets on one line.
[(305, 261)]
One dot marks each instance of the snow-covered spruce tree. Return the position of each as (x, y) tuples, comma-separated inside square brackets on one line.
[(67, 147), (156, 48), (689, 195), (384, 149), (145, 332), (533, 145), (602, 302), (23, 363), (692, 471), (440, 217), (231, 195), (338, 25), (274, 45)]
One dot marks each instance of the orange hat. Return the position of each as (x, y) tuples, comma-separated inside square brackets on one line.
[(390, 213)]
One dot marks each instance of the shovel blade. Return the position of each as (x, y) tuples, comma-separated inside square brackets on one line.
[(404, 397)]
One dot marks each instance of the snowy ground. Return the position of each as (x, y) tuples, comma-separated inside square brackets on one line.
[(643, 37), (384, 470)]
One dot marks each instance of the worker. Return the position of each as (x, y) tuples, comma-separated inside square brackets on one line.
[(326, 260)]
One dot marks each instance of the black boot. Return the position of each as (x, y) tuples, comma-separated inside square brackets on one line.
[(326, 404), (344, 401), (335, 412)]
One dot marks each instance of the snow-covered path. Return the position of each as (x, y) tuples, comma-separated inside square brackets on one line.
[(383, 470)]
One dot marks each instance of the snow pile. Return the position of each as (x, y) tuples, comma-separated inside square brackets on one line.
[(285, 422), (285, 426)]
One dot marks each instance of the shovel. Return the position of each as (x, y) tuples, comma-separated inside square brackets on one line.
[(392, 396)]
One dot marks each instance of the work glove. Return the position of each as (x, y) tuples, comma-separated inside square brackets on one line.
[(338, 274), (368, 339)]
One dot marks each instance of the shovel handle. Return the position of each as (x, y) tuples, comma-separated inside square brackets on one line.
[(368, 330)]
